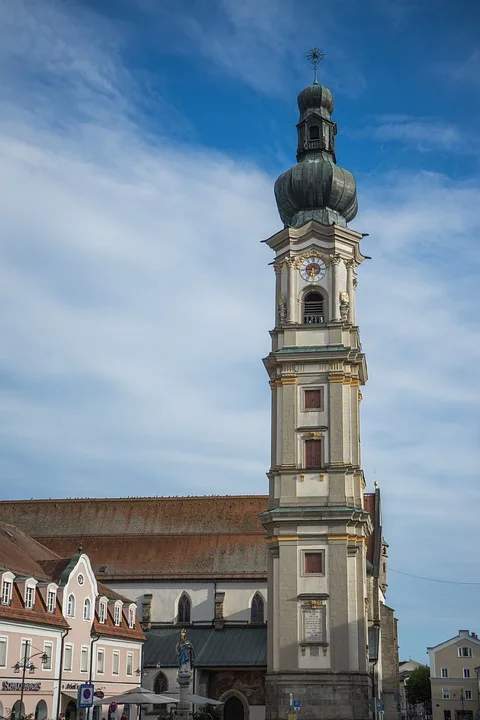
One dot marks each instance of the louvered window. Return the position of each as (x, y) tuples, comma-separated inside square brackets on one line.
[(313, 311)]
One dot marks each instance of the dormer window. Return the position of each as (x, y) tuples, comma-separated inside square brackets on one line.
[(87, 605), (71, 606), (117, 614), (7, 588), (51, 601), (30, 597), (131, 617), (313, 309), (102, 612), (314, 132)]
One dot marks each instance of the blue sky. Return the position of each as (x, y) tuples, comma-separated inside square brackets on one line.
[(139, 144)]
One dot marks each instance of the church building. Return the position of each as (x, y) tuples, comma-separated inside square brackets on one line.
[(283, 597)]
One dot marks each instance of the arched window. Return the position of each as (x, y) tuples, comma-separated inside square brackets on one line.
[(71, 606), (131, 617), (117, 613), (257, 610), (86, 609), (18, 711), (313, 309), (160, 684), (184, 609), (41, 711), (314, 132)]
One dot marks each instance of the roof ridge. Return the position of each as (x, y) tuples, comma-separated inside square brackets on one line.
[(137, 498)]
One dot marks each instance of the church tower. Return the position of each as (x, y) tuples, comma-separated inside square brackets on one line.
[(316, 522)]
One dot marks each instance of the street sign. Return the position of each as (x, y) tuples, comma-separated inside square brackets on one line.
[(297, 704), (85, 695), (99, 694)]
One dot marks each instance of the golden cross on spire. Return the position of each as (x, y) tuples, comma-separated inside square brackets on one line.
[(315, 56)]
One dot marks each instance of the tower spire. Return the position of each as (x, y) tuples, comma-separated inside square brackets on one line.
[(316, 188), (315, 56)]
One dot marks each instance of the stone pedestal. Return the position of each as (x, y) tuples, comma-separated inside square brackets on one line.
[(323, 696), (184, 678)]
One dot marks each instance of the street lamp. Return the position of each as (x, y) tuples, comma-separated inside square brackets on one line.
[(26, 664)]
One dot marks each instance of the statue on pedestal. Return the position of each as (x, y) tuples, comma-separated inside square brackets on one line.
[(185, 653)]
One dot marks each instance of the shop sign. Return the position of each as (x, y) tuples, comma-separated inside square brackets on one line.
[(17, 686)]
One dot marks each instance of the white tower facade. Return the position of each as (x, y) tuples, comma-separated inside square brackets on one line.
[(316, 523)]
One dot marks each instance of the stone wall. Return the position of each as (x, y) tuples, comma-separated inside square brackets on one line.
[(390, 675)]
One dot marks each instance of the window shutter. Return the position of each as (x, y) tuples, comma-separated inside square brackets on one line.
[(314, 563), (313, 453), (313, 399)]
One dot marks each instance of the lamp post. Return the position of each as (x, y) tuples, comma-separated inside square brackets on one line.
[(26, 663)]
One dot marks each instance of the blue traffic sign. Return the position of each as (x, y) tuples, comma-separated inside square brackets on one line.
[(296, 704), (85, 695)]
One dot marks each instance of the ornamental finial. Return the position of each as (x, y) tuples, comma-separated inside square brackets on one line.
[(315, 56)]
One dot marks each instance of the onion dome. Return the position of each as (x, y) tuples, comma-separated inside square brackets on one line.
[(316, 188)]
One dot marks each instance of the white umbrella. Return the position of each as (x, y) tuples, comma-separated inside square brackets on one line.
[(136, 696)]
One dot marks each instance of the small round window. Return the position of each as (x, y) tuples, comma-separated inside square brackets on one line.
[(81, 579)]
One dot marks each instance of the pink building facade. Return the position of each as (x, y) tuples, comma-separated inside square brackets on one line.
[(60, 628)]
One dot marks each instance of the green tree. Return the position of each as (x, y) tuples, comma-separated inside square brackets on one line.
[(419, 690)]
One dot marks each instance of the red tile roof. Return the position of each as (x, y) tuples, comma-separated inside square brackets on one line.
[(28, 558), (136, 516), (38, 615), (109, 628), (185, 556), (21, 554), (157, 537)]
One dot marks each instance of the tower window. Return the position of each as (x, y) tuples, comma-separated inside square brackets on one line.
[(257, 609), (184, 609), (313, 563), (313, 453), (313, 399), (313, 313), (314, 132)]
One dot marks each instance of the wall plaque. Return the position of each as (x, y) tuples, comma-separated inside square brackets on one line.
[(314, 624)]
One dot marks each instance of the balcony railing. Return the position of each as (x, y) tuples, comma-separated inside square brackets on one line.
[(313, 319)]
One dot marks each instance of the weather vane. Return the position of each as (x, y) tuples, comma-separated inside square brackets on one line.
[(315, 56)]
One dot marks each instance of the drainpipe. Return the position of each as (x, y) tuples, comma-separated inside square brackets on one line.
[(93, 639), (62, 645)]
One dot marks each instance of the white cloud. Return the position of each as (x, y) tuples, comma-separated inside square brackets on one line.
[(258, 43), (421, 133)]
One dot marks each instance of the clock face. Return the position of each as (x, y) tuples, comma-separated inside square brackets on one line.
[(313, 269)]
